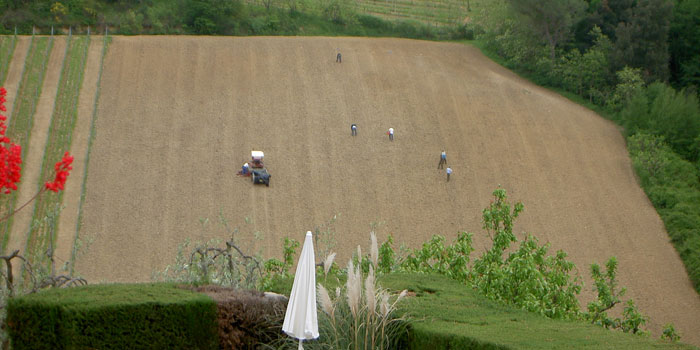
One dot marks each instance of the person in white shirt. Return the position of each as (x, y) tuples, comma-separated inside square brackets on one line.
[(449, 171), (353, 129), (391, 134)]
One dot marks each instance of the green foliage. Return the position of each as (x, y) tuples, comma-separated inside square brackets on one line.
[(669, 333), (387, 256), (630, 83), (551, 20), (661, 110), (446, 314), (139, 316), (528, 277), (642, 39), (605, 284), (684, 44), (673, 186), (586, 74), (435, 257)]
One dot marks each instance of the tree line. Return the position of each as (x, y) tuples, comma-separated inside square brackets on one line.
[(634, 61)]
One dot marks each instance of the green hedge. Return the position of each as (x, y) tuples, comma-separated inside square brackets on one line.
[(136, 316)]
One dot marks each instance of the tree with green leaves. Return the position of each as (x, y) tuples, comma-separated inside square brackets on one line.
[(684, 44), (642, 40), (552, 20)]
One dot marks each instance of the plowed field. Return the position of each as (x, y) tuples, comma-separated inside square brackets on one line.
[(178, 116)]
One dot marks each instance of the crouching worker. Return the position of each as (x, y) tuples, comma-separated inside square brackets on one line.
[(245, 169)]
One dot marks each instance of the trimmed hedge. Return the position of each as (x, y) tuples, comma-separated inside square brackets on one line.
[(118, 316)]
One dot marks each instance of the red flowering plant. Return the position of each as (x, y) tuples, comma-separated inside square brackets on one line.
[(10, 154), (11, 160)]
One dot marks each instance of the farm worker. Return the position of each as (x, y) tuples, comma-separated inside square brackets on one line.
[(353, 129), (449, 171), (391, 134), (338, 58), (244, 171), (443, 159)]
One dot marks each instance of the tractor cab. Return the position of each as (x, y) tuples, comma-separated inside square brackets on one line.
[(256, 159)]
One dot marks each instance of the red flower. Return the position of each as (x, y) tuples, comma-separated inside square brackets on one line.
[(62, 171), (10, 154)]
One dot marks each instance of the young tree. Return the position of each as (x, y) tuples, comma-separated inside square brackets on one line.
[(552, 20)]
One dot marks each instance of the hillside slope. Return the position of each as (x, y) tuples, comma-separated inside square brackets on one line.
[(178, 116)]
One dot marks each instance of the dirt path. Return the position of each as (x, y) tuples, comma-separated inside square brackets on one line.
[(14, 73), (71, 195), (179, 115), (31, 165)]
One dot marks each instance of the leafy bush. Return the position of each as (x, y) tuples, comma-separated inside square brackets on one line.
[(661, 110)]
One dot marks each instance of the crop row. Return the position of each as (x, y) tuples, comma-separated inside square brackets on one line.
[(59, 140), (445, 12), (7, 48), (91, 138), (22, 118), (424, 11)]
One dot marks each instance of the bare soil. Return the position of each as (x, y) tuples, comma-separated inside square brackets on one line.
[(79, 145), (178, 116)]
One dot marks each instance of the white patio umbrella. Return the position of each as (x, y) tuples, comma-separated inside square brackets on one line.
[(301, 320)]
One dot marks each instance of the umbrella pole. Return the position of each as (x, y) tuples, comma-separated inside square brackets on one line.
[(300, 347)]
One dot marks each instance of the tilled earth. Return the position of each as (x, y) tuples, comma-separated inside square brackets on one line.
[(178, 116)]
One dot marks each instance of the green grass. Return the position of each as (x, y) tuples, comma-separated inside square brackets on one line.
[(59, 138), (444, 309), (22, 119), (7, 48)]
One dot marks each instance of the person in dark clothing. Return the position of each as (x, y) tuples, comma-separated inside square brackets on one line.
[(339, 58), (353, 129)]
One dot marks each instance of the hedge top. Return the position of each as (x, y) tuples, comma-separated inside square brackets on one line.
[(100, 295)]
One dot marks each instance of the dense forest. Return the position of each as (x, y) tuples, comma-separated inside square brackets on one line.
[(636, 62)]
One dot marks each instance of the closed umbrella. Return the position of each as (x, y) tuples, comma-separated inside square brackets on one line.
[(301, 320)]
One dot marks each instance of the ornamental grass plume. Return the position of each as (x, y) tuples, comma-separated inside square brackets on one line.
[(371, 305), (325, 301), (354, 288), (328, 263), (373, 248)]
